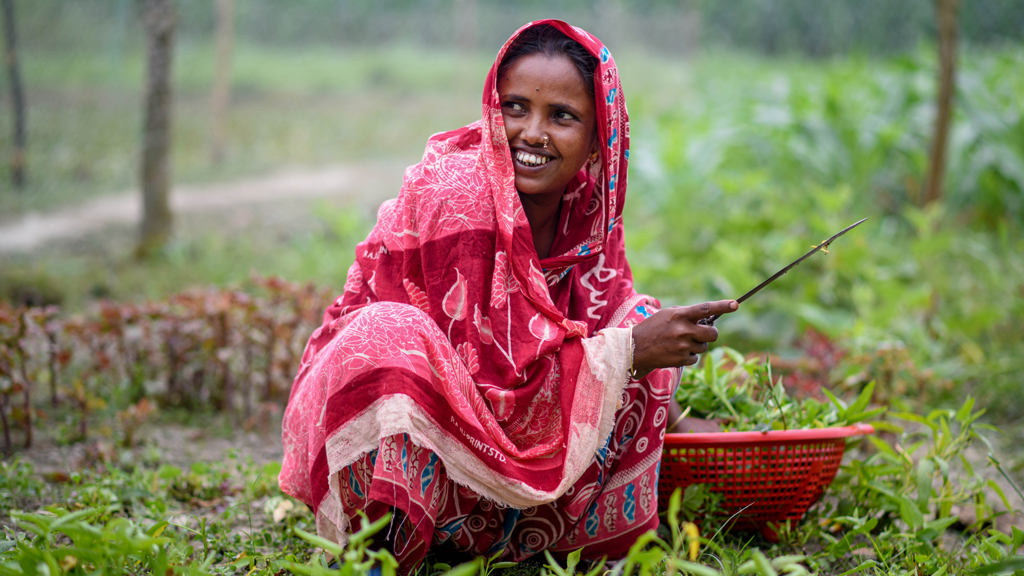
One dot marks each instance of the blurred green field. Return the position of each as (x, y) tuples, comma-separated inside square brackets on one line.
[(739, 163), (289, 107)]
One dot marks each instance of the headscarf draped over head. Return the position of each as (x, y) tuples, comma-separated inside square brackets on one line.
[(454, 334)]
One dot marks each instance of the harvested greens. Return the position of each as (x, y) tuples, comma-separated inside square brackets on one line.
[(742, 394)]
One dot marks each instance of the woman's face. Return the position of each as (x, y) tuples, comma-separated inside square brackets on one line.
[(544, 96)]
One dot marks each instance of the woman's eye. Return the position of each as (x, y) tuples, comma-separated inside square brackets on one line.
[(564, 116), (514, 106)]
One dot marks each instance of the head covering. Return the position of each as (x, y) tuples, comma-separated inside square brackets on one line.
[(467, 253), (594, 198), (452, 335)]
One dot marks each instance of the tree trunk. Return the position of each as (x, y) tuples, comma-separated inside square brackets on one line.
[(160, 21), (27, 406), (222, 79), (8, 447), (51, 338), (17, 96), (946, 12)]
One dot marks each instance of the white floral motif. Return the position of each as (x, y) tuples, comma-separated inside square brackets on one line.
[(468, 355), (417, 297), (543, 329), (354, 282), (454, 302), (483, 324), (503, 283)]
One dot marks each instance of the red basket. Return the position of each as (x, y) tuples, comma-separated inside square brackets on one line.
[(763, 476)]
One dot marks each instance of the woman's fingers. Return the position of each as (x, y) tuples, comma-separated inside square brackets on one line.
[(672, 336), (704, 334), (707, 309)]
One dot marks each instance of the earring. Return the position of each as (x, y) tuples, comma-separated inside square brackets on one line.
[(544, 141), (593, 158)]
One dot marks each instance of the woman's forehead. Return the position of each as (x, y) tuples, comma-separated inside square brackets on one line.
[(546, 74)]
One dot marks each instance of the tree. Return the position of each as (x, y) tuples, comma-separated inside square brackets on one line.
[(222, 79), (17, 96), (945, 11), (160, 21)]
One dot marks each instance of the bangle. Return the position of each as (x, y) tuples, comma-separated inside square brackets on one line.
[(632, 350)]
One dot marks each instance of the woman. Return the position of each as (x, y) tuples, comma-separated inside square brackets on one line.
[(489, 373)]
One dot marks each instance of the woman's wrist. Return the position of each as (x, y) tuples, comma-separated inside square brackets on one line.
[(636, 369)]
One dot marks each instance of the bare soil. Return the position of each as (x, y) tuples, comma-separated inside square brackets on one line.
[(365, 184)]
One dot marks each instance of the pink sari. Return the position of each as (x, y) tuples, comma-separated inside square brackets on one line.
[(480, 392)]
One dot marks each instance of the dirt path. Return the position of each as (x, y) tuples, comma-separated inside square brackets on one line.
[(366, 184)]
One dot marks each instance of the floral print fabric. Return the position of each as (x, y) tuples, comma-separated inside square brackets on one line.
[(478, 391)]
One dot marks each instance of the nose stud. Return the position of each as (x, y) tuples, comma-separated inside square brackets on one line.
[(544, 141)]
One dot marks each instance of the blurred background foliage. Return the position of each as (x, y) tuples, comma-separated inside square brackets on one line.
[(759, 128)]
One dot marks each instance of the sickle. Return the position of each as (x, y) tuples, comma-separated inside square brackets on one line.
[(710, 321)]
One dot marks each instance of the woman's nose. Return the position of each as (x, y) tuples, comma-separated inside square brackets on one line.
[(533, 133)]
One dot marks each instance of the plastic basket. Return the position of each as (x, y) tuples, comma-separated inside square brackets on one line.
[(763, 476)]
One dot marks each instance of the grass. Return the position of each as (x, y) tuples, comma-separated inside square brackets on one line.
[(141, 509), (306, 108), (738, 164)]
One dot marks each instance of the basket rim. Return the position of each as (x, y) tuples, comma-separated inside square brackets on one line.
[(770, 437)]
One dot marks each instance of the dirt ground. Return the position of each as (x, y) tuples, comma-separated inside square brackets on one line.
[(288, 191), (167, 443)]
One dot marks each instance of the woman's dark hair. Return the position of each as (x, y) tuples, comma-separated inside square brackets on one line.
[(548, 40)]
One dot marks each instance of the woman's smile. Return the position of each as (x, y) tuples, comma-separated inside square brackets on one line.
[(529, 160)]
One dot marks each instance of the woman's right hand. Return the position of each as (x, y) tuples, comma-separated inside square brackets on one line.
[(672, 337)]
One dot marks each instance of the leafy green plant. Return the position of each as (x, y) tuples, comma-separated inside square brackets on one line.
[(742, 393), (77, 543)]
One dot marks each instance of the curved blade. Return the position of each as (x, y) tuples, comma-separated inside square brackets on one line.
[(711, 320)]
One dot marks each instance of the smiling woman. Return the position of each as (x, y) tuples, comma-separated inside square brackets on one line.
[(477, 378)]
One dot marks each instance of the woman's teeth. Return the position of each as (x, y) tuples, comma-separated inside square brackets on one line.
[(531, 159)]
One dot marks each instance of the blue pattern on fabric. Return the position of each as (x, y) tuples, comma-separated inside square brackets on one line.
[(605, 54), (448, 530), (611, 182), (428, 474), (353, 482), (642, 310), (584, 250), (611, 96), (602, 453), (593, 522), (611, 225), (373, 456), (629, 505), (626, 153), (511, 516), (611, 139), (625, 440)]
